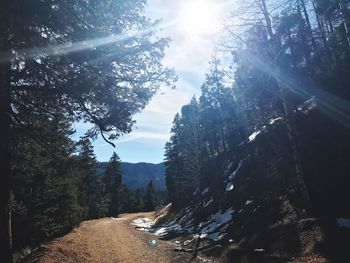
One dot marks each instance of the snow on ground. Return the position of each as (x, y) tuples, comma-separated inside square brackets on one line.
[(273, 121), (247, 202), (117, 218), (208, 202), (308, 105), (214, 228), (343, 222), (186, 217), (216, 236), (228, 168), (205, 191), (144, 224), (234, 173), (229, 186), (168, 229), (253, 136), (223, 218)]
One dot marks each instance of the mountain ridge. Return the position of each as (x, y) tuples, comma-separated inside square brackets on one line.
[(138, 175)]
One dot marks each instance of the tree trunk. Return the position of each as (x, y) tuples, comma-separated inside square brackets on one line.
[(308, 24), (267, 18), (308, 30), (5, 213), (319, 23), (292, 135), (345, 15)]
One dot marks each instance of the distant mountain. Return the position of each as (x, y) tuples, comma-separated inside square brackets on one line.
[(138, 175)]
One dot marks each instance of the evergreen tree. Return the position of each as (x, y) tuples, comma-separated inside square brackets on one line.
[(282, 60), (221, 128), (113, 181), (191, 148), (45, 181), (83, 54), (139, 205), (174, 163), (150, 202), (92, 189), (127, 201)]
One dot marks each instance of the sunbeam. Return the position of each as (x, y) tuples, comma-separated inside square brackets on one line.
[(333, 106), (66, 48)]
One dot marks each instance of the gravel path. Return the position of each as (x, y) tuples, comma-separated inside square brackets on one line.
[(110, 240)]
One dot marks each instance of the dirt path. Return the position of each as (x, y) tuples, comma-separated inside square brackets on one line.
[(109, 240)]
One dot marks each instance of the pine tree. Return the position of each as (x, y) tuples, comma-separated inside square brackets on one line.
[(92, 189), (113, 181), (190, 148), (151, 201), (45, 180), (77, 53), (139, 206), (127, 202), (174, 163)]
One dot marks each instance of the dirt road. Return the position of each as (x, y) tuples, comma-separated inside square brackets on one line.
[(110, 240)]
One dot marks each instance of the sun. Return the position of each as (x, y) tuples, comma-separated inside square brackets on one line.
[(199, 17)]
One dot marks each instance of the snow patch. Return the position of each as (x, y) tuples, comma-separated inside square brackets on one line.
[(216, 236), (188, 242), (273, 121), (228, 168), (160, 231), (343, 222), (223, 218), (205, 191), (208, 202), (216, 225), (253, 136), (234, 173), (168, 230), (229, 187), (144, 224), (204, 235), (185, 217), (308, 105), (247, 202)]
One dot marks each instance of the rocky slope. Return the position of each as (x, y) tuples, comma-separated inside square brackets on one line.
[(255, 211)]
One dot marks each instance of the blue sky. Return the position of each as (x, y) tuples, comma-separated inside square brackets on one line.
[(189, 54)]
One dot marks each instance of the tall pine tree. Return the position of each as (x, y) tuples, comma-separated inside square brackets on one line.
[(113, 181)]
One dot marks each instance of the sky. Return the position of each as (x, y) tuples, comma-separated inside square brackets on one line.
[(194, 37)]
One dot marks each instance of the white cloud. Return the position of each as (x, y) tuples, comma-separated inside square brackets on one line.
[(137, 135)]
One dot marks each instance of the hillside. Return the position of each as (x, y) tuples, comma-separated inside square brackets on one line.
[(138, 175), (256, 212)]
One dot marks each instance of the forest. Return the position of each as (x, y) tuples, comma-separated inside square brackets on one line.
[(268, 136), (263, 150)]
